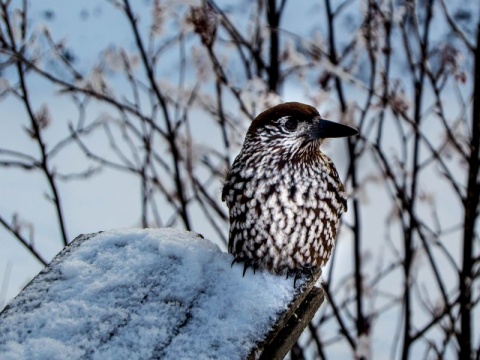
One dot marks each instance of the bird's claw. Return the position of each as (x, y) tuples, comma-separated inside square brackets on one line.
[(300, 273), (246, 264)]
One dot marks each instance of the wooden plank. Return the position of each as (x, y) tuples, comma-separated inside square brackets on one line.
[(291, 324), (104, 288), (286, 338)]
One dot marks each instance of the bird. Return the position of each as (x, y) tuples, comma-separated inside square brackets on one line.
[(284, 195)]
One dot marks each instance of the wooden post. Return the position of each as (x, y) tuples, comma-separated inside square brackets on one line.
[(161, 293)]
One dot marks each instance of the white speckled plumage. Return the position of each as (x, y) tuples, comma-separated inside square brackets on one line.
[(284, 195)]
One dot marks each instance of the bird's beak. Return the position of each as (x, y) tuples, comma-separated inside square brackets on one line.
[(322, 129)]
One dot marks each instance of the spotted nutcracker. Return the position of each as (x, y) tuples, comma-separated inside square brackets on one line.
[(284, 195)]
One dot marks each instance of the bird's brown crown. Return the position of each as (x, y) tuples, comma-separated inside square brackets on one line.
[(299, 111)]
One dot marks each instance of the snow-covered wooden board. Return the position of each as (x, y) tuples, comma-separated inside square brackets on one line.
[(150, 294)]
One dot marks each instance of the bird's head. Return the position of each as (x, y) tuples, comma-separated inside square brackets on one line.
[(293, 129)]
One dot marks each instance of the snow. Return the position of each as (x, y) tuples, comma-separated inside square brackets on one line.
[(137, 294)]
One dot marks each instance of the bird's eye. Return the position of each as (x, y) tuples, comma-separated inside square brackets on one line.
[(290, 124)]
